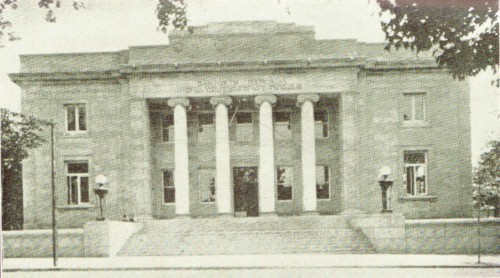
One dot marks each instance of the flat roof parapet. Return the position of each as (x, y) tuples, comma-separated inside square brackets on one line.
[(244, 27)]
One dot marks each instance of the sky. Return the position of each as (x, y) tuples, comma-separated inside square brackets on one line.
[(110, 25)]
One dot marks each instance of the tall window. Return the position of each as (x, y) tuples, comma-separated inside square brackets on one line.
[(168, 187), (322, 182), (207, 185), (284, 182), (206, 127), (244, 126), (76, 117), (415, 173), (321, 124), (77, 182), (282, 125), (414, 107), (167, 128)]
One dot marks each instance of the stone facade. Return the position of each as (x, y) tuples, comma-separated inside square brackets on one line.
[(134, 98)]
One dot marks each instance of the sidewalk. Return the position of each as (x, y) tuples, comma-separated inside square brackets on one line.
[(253, 261)]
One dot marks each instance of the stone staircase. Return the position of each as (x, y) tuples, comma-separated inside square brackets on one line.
[(260, 235)]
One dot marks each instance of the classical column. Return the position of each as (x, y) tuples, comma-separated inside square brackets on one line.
[(266, 154), (222, 155), (181, 174), (308, 150)]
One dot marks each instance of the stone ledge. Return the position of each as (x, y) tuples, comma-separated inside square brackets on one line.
[(451, 221), (428, 198)]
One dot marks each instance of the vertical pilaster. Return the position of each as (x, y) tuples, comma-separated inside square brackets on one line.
[(139, 182), (181, 159), (308, 151), (266, 154), (222, 157)]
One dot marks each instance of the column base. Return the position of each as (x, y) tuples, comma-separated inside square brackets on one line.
[(225, 215), (268, 214), (309, 213), (183, 216)]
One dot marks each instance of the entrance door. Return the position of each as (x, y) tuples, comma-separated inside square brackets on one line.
[(246, 190)]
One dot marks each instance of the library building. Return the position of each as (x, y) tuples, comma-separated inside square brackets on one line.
[(245, 119)]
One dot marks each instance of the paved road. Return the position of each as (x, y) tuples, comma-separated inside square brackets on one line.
[(296, 272)]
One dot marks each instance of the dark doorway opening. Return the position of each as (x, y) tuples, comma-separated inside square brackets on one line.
[(246, 190)]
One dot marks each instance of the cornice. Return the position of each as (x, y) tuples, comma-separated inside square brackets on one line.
[(124, 71), (62, 76)]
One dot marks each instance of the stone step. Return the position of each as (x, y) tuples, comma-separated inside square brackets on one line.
[(273, 235)]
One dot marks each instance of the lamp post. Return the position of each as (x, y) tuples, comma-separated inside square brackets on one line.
[(101, 192), (385, 184)]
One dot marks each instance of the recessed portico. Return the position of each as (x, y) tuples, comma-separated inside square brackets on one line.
[(263, 132)]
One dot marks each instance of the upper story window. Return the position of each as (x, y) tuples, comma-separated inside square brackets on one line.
[(76, 117), (284, 182), (77, 175), (414, 107), (167, 128), (244, 126), (282, 125), (206, 127), (321, 124), (168, 187), (322, 182), (415, 174)]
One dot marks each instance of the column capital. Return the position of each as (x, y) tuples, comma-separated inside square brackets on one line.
[(221, 100), (307, 97), (265, 98), (172, 102)]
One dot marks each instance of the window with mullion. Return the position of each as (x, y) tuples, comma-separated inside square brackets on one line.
[(244, 126), (415, 173), (168, 187), (284, 183), (76, 118), (321, 124), (206, 127), (322, 182), (77, 183), (282, 125), (167, 128), (414, 107)]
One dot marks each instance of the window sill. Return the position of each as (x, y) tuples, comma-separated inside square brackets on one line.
[(415, 124), (428, 198), (76, 134), (76, 207)]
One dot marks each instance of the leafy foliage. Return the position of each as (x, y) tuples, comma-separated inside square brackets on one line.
[(50, 16), (462, 33), (171, 13), (20, 133), (487, 180)]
